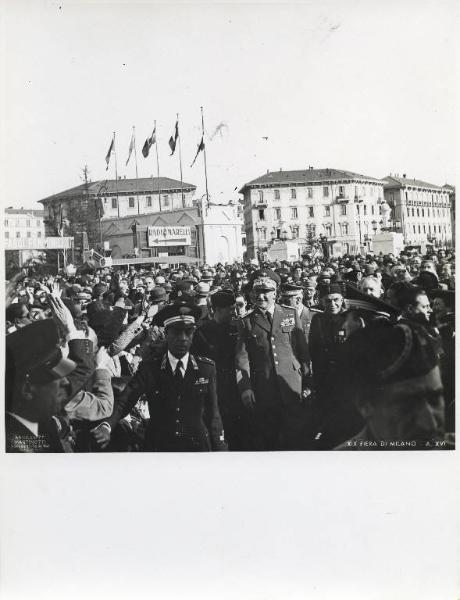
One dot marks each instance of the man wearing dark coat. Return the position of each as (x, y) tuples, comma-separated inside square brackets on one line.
[(180, 389), (271, 361)]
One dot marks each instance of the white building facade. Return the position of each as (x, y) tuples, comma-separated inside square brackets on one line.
[(342, 206), (420, 210)]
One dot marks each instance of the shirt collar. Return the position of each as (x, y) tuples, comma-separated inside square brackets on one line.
[(33, 427), (173, 361)]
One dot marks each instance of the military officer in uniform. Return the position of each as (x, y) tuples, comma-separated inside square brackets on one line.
[(271, 361), (292, 295), (180, 389)]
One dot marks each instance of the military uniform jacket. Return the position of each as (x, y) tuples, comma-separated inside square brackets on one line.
[(183, 416), (272, 358)]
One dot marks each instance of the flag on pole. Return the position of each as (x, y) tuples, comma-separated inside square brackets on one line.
[(173, 139), (109, 153), (149, 143), (199, 149), (131, 148)]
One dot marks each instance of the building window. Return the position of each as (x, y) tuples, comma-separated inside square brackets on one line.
[(6, 222), (261, 214), (343, 209), (263, 234), (38, 223), (295, 232), (341, 191), (149, 201), (114, 202), (364, 209), (294, 213), (427, 212), (328, 230), (18, 234), (277, 194), (261, 196), (28, 234), (131, 202), (166, 200), (372, 209), (325, 191), (356, 191), (423, 212), (418, 212), (278, 213), (327, 211), (413, 212), (293, 193), (420, 231), (413, 227), (424, 229), (309, 192), (7, 234), (310, 212), (28, 223), (372, 189), (344, 228), (39, 234)]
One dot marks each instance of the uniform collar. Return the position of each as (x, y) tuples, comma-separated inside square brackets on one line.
[(173, 361)]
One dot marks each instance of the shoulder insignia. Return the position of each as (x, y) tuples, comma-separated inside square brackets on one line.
[(205, 359), (249, 312)]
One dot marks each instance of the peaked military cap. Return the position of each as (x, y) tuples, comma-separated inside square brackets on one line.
[(34, 351), (178, 314)]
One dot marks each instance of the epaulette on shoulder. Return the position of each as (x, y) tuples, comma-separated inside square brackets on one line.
[(247, 314), (205, 359), (317, 310)]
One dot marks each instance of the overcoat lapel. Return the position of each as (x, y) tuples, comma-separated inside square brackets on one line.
[(260, 320)]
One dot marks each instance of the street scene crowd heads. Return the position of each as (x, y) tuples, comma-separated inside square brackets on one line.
[(352, 352)]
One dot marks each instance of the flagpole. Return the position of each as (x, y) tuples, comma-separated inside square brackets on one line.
[(137, 176), (180, 164), (158, 163), (116, 173), (204, 157)]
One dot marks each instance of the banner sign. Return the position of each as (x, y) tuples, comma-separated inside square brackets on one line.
[(169, 236), (36, 243)]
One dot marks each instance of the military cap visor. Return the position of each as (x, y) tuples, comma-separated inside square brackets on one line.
[(180, 314), (35, 352)]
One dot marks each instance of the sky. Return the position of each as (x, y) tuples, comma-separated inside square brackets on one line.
[(366, 86)]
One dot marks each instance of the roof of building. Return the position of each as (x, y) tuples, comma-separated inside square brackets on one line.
[(447, 186), (108, 187), (25, 211), (306, 176), (393, 181)]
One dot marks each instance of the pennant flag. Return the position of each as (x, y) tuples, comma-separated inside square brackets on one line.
[(131, 148), (173, 140), (109, 153), (148, 144), (200, 149)]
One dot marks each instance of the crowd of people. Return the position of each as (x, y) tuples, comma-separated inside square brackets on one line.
[(352, 352)]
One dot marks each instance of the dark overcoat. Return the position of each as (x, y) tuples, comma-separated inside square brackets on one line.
[(184, 417)]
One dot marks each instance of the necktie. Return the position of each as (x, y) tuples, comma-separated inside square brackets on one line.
[(178, 373), (268, 316)]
